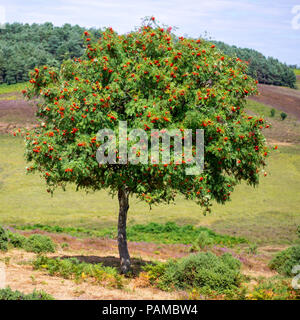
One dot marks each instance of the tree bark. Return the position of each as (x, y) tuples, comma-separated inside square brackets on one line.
[(122, 242)]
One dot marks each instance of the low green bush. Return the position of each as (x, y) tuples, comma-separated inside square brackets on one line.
[(283, 115), (38, 243), (202, 270), (273, 112), (9, 294), (285, 260), (72, 268), (16, 240), (35, 243), (155, 272)]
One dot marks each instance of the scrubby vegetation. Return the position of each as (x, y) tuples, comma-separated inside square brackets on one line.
[(265, 70), (72, 268), (36, 243), (275, 288), (283, 115), (168, 232), (9, 294), (286, 260), (204, 271)]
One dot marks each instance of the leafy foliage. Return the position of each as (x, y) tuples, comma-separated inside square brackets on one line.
[(9, 294), (153, 80), (201, 270), (285, 260), (265, 70), (72, 268)]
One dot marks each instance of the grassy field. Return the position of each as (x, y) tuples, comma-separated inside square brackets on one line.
[(297, 72), (261, 109), (5, 88), (267, 214)]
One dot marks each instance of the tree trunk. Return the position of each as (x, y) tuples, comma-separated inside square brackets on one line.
[(122, 242)]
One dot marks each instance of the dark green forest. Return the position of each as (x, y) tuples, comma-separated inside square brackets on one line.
[(265, 70), (24, 46)]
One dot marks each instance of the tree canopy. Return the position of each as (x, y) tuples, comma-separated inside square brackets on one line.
[(24, 46), (153, 80)]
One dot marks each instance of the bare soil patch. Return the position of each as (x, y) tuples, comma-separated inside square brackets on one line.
[(16, 113), (21, 276), (285, 99)]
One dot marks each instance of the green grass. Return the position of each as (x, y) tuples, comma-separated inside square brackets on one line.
[(8, 97), (298, 83), (261, 109), (297, 72), (169, 233), (269, 213), (6, 88)]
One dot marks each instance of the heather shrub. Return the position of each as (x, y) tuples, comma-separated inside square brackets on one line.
[(35, 243), (284, 261), (38, 243), (202, 270), (16, 240)]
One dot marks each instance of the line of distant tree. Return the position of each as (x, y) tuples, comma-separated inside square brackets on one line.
[(265, 70), (24, 46)]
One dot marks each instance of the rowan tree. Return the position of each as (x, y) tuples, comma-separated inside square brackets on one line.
[(153, 80)]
